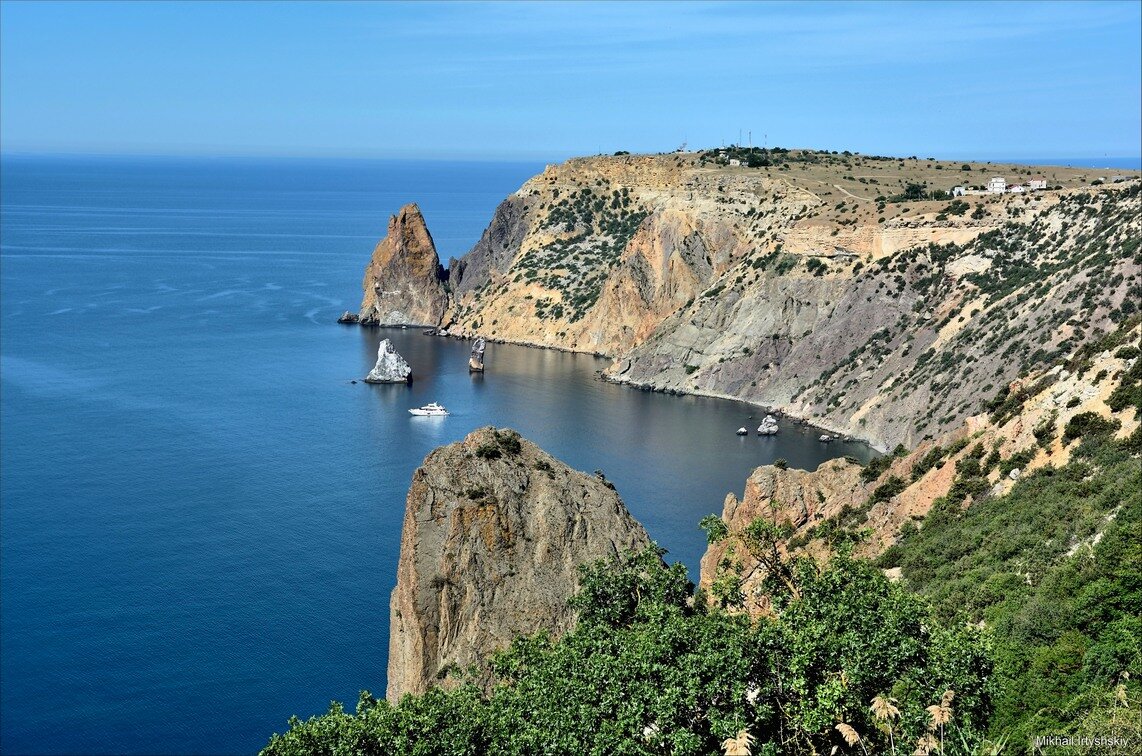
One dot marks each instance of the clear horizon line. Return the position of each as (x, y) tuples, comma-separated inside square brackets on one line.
[(488, 158), (271, 156)]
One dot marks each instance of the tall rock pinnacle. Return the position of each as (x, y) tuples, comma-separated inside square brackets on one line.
[(494, 532), (404, 281)]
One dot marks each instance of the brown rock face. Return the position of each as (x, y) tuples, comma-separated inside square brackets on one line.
[(404, 281), (796, 287), (494, 532), (835, 494), (797, 498)]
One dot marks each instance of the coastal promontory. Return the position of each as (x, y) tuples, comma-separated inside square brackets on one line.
[(881, 298), (495, 530)]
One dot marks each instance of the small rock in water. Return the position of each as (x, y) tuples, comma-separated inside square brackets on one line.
[(390, 367), (349, 318)]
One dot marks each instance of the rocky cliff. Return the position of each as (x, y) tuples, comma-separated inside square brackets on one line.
[(907, 345), (404, 282), (833, 287), (841, 504), (494, 532)]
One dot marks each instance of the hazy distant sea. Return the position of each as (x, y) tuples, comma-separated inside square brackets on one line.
[(199, 513), (1109, 163)]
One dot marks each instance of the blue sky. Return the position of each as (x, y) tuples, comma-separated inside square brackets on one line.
[(549, 80)]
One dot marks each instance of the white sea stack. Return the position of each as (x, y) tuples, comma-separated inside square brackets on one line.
[(390, 367)]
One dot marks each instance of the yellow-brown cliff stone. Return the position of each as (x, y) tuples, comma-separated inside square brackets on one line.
[(404, 281), (804, 500), (495, 530)]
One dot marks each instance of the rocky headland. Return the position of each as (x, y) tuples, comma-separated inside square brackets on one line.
[(495, 530), (845, 290), (998, 352), (965, 333)]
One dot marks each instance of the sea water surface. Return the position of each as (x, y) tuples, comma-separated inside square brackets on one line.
[(200, 513)]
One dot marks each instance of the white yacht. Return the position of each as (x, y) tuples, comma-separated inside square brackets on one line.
[(430, 410)]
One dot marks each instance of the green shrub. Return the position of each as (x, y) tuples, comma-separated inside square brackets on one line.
[(876, 467), (1016, 461), (508, 441), (647, 669), (888, 489), (1128, 393), (1128, 352), (934, 458), (1044, 430), (488, 451), (1058, 602), (1088, 425)]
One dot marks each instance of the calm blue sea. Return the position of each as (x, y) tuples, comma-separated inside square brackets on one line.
[(1106, 162), (199, 512)]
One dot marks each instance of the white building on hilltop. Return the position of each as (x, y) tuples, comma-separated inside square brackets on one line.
[(1037, 183), (997, 185)]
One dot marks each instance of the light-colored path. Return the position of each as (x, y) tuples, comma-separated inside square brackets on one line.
[(846, 191)]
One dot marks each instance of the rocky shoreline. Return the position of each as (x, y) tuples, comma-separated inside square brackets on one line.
[(750, 286), (602, 375)]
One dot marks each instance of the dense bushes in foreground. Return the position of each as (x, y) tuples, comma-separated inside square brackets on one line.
[(1052, 569), (1018, 617), (646, 673)]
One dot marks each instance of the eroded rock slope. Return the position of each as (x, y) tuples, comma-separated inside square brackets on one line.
[(494, 532), (842, 505), (815, 286)]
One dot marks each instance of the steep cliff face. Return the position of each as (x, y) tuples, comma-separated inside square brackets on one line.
[(404, 281), (910, 344), (498, 246), (494, 532), (982, 458), (813, 285), (592, 254), (885, 319)]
